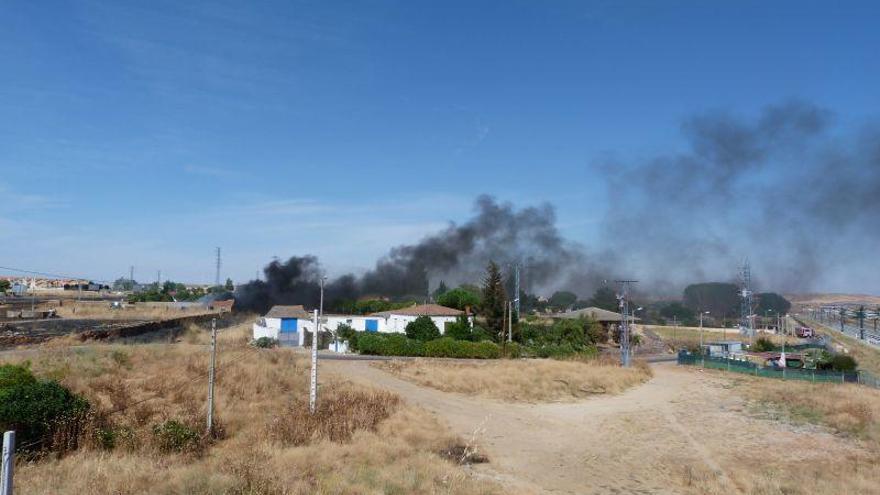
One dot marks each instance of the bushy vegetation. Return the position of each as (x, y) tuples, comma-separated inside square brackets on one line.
[(174, 436), (459, 298), (763, 344), (265, 343), (422, 329), (39, 410), (171, 291), (448, 347)]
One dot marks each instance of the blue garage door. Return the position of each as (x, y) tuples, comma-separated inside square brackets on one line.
[(372, 325)]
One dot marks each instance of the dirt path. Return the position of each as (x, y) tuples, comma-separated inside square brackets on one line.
[(674, 434)]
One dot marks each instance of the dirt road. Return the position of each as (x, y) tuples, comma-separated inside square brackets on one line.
[(682, 432)]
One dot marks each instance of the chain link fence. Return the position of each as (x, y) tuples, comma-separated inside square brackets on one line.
[(749, 368)]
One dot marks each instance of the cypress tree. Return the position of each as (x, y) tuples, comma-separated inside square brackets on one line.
[(494, 299)]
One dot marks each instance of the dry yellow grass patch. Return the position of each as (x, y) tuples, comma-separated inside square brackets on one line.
[(850, 409), (530, 380), (845, 462), (367, 441)]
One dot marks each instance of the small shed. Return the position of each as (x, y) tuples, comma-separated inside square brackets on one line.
[(723, 348)]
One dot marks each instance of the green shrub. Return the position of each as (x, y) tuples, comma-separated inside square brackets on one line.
[(462, 349), (37, 410), (843, 362), (480, 334), (763, 344), (121, 359), (460, 329), (596, 332), (422, 329), (13, 375), (174, 436), (512, 350), (555, 350), (389, 345), (485, 350), (445, 347), (264, 342)]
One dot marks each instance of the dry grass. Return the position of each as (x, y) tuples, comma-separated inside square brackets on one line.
[(868, 357), (688, 337), (849, 409), (532, 380), (367, 441), (835, 448)]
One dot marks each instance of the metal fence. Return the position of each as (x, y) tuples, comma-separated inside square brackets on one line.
[(749, 368)]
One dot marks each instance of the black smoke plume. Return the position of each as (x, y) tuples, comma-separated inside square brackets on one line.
[(800, 201)]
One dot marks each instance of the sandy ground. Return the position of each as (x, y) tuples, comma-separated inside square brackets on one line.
[(681, 432)]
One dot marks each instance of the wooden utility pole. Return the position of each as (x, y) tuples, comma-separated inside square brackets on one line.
[(211, 375)]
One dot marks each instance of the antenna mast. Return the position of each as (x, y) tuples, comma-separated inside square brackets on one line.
[(623, 300), (746, 317)]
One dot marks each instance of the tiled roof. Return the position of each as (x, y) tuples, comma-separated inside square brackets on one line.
[(287, 312), (598, 314), (422, 310)]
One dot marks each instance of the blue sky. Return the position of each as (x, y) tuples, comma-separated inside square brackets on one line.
[(147, 133)]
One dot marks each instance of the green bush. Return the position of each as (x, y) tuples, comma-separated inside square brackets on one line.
[(512, 350), (462, 349), (422, 329), (38, 409), (389, 345), (460, 329), (174, 436), (843, 362), (763, 344), (264, 343), (480, 334)]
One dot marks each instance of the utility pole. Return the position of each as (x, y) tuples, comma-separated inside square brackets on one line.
[(313, 387), (702, 352), (158, 279), (509, 321), (8, 462), (131, 276), (516, 288), (217, 274), (623, 298), (33, 295), (211, 376)]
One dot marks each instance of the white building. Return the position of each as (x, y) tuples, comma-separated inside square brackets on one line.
[(396, 320), (288, 324)]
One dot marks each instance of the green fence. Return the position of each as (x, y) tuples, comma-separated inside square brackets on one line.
[(749, 368)]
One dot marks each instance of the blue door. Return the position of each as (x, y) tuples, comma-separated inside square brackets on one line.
[(289, 337), (372, 325)]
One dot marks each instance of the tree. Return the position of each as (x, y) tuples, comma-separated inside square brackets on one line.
[(772, 302), (719, 298), (4, 285), (677, 312), (563, 300), (229, 286), (459, 298), (605, 298), (422, 329), (494, 299), (441, 289)]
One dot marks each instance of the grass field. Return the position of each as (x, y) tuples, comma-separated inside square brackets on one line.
[(688, 337), (528, 380), (362, 440)]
